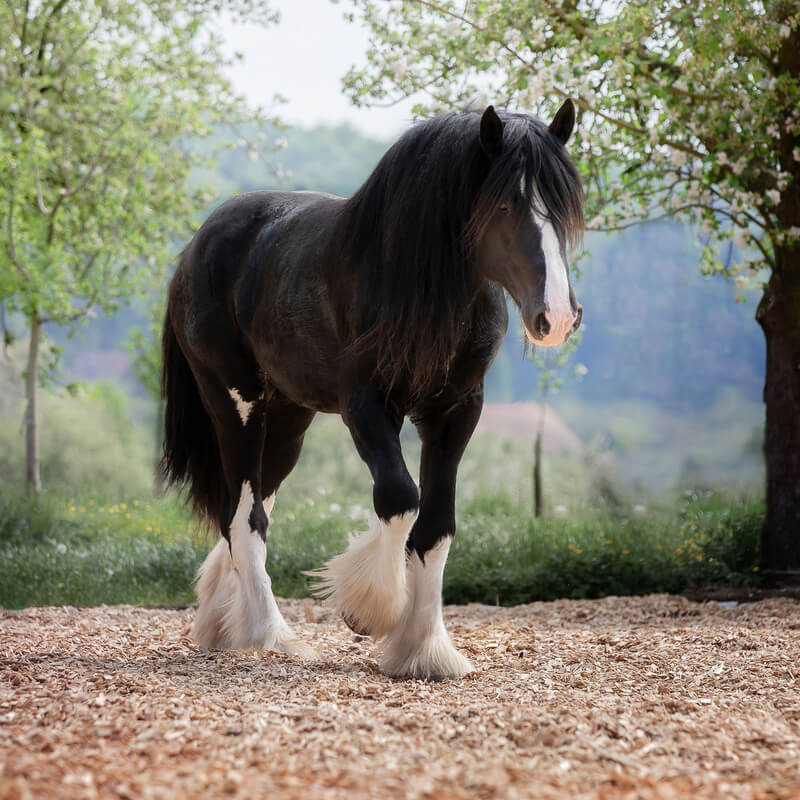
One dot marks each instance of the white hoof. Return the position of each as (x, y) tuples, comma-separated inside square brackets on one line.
[(367, 583), (419, 646), (289, 643), (434, 658)]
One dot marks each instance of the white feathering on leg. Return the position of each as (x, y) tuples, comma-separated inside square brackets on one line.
[(215, 584), (367, 583), (420, 647), (237, 608)]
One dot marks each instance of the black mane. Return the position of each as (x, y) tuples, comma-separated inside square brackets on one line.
[(412, 227)]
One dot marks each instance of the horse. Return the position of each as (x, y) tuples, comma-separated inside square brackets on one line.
[(386, 305)]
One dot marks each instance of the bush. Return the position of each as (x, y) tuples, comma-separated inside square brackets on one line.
[(86, 440), (84, 550)]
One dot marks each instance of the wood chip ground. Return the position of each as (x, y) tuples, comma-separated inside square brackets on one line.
[(653, 697)]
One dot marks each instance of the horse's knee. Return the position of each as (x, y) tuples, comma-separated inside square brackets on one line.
[(396, 496)]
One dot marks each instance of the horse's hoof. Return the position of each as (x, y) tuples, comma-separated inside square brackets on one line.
[(351, 623)]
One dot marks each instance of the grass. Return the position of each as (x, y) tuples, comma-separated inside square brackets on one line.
[(504, 558), (88, 550)]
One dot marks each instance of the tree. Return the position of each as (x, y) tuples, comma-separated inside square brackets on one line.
[(687, 108), (144, 346), (552, 363), (101, 105)]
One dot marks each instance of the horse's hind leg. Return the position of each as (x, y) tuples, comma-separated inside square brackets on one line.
[(419, 646), (367, 583), (236, 606), (286, 427)]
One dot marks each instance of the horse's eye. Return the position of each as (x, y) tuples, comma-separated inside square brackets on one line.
[(505, 208)]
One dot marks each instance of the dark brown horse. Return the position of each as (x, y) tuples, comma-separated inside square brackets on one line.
[(386, 305)]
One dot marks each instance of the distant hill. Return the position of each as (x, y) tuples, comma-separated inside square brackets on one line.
[(654, 328)]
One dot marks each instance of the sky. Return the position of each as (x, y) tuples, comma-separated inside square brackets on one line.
[(304, 58)]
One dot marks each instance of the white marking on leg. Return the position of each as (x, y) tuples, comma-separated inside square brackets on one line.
[(367, 584), (215, 584), (420, 646), (269, 504), (237, 608), (242, 406)]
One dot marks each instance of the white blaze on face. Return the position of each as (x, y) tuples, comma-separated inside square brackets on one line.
[(558, 308), (559, 311)]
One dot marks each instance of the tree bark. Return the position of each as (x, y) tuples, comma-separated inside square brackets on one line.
[(779, 316), (32, 478), (537, 467)]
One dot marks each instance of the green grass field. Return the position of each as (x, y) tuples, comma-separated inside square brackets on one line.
[(84, 545), (86, 551)]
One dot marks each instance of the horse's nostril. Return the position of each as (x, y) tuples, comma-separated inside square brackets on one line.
[(578, 318), (541, 325)]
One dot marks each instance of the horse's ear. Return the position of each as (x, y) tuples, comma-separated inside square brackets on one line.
[(564, 121), (491, 132)]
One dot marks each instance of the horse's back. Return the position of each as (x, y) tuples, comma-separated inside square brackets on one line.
[(238, 230), (250, 282)]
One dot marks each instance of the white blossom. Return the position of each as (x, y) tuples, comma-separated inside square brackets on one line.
[(398, 69), (678, 158), (452, 28), (785, 31), (774, 195)]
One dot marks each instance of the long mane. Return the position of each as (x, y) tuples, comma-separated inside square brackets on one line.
[(412, 228)]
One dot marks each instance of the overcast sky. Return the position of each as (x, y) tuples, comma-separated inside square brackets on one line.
[(304, 58)]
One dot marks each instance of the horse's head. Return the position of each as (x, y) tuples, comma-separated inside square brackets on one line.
[(522, 244)]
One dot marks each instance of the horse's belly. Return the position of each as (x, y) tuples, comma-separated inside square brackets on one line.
[(306, 376)]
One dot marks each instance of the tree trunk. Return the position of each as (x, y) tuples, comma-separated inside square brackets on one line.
[(32, 479), (779, 316), (537, 467)]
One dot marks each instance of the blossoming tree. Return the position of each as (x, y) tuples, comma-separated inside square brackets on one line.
[(687, 108), (100, 103)]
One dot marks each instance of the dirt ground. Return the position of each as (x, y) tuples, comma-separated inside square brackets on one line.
[(654, 697)]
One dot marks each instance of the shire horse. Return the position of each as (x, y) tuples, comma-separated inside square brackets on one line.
[(383, 306)]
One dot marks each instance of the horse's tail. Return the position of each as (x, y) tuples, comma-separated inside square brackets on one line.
[(191, 453)]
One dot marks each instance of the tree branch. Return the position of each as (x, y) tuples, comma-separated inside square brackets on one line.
[(39, 198), (11, 247), (46, 29)]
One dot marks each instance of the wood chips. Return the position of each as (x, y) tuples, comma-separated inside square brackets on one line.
[(653, 697)]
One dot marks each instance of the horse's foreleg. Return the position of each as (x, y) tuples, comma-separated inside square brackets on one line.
[(419, 646), (367, 584), (236, 606)]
